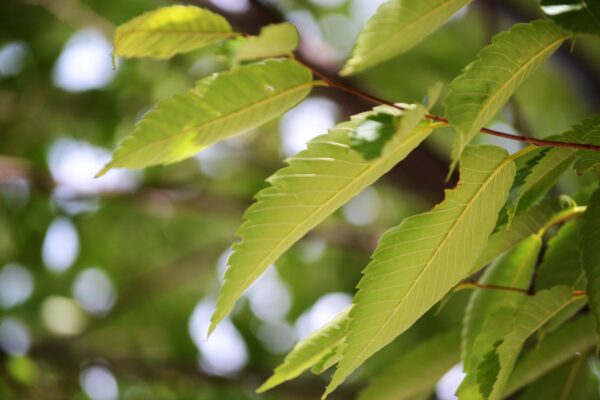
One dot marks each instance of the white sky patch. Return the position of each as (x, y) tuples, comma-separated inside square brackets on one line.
[(16, 285), (323, 311), (362, 10), (309, 119), (85, 62), (328, 3), (99, 383), (14, 336), (94, 291), (233, 6), (73, 164), (276, 337), (364, 208), (269, 298), (12, 58), (61, 245), (561, 8), (447, 386), (224, 353)]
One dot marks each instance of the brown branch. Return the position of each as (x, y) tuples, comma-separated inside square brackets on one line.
[(521, 138)]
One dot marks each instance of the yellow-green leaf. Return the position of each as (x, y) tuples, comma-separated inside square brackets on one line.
[(167, 31), (398, 26), (419, 261), (220, 106), (487, 83), (273, 40), (317, 182)]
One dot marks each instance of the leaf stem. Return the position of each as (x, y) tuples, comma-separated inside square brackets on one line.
[(562, 217), (521, 138)]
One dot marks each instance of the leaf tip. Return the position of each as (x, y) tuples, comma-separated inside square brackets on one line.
[(103, 171)]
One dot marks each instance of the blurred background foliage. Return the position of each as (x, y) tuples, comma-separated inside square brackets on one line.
[(106, 285)]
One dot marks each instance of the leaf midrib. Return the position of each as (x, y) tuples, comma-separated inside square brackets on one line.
[(457, 222), (219, 119), (129, 32), (282, 244)]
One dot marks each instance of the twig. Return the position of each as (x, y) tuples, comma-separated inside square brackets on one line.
[(521, 138)]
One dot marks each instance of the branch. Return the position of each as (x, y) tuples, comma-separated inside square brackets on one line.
[(325, 81)]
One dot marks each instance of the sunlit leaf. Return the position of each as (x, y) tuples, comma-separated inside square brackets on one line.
[(419, 261), (220, 106), (398, 26), (487, 83), (167, 31), (274, 40), (318, 181)]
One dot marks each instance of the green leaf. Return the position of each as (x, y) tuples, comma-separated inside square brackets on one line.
[(415, 371), (524, 224), (586, 132), (167, 31), (563, 250), (566, 382), (309, 351), (572, 338), (542, 177), (398, 26), (317, 182), (534, 313), (487, 83), (220, 106), (274, 40), (578, 16), (514, 269), (419, 261), (590, 254)]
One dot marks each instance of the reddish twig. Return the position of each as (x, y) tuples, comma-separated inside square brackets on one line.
[(521, 138)]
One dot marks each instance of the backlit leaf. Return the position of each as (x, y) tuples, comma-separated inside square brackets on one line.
[(419, 261), (318, 181), (167, 31), (220, 106), (487, 83), (398, 26)]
